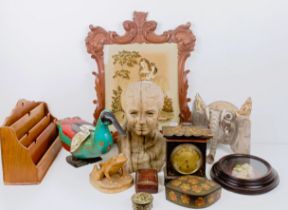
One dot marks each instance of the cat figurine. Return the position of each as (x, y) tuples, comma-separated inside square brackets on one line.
[(229, 125)]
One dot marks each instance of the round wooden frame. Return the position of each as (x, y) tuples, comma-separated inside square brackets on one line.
[(260, 185), (139, 30)]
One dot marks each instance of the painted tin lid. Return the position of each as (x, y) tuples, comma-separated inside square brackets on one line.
[(184, 130), (193, 185)]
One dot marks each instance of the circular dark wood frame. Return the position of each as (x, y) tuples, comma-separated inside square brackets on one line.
[(256, 186), (139, 30)]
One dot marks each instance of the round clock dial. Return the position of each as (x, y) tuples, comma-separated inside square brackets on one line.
[(186, 158)]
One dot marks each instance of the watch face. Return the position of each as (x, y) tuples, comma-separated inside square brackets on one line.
[(186, 158)]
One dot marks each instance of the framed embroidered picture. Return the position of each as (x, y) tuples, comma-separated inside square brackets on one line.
[(139, 55)]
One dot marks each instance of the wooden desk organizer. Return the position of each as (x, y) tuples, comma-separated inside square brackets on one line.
[(29, 143)]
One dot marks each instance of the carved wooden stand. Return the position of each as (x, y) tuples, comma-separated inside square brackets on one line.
[(116, 184)]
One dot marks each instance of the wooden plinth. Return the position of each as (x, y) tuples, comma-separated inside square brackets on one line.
[(116, 184)]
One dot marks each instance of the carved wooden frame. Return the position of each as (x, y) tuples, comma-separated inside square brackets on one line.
[(139, 30)]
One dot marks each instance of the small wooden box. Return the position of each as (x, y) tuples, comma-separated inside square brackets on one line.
[(29, 143), (192, 191), (146, 181)]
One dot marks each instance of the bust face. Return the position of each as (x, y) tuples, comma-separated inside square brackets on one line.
[(142, 103), (142, 118)]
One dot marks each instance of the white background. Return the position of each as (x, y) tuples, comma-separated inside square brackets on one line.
[(241, 50)]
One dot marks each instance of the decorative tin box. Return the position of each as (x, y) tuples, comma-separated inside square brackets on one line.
[(142, 201), (146, 181), (193, 191), (185, 150)]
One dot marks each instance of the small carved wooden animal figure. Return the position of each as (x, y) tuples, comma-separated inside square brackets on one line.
[(112, 166), (229, 124), (147, 70)]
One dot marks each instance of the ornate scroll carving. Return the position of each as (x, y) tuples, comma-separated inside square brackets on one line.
[(139, 30)]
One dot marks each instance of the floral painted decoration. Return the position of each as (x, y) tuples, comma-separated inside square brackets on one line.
[(193, 191)]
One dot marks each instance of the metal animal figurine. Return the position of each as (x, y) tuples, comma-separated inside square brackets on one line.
[(86, 142), (229, 124)]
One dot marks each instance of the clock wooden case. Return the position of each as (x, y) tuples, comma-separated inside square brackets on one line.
[(185, 150)]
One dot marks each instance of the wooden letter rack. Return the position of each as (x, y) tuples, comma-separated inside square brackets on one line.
[(29, 143)]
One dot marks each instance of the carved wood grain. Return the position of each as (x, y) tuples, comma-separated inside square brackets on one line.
[(22, 129), (139, 30)]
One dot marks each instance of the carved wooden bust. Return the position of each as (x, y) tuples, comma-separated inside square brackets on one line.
[(144, 145)]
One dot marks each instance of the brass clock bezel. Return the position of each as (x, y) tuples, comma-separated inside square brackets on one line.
[(195, 148)]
